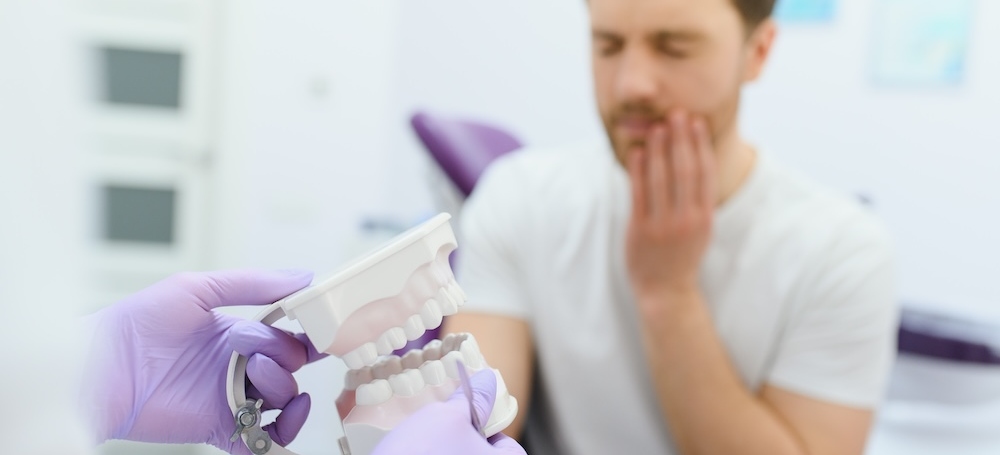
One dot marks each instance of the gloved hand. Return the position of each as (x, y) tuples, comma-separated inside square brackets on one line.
[(157, 369), (446, 428)]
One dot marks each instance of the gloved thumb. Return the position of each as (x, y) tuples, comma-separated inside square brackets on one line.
[(244, 286), (484, 392), (291, 420), (506, 445)]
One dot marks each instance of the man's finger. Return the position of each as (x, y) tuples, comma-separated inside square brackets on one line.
[(637, 162), (658, 173), (684, 161), (706, 163)]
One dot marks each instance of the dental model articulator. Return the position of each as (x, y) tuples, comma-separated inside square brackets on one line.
[(361, 314)]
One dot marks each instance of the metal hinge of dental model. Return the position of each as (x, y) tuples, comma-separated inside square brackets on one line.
[(248, 422)]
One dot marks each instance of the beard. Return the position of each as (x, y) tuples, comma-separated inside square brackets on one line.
[(721, 123), (634, 112)]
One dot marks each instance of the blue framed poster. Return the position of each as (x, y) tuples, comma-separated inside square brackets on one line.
[(810, 11), (921, 42)]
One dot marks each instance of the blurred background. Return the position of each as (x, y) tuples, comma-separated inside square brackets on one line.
[(143, 137)]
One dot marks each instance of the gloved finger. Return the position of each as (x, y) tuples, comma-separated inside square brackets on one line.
[(287, 425), (252, 337), (275, 384), (506, 445), (244, 286), (253, 394), (484, 392), (312, 354)]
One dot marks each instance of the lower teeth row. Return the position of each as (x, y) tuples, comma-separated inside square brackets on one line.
[(437, 362)]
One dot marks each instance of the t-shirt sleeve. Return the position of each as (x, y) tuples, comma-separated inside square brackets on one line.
[(840, 342), (487, 256)]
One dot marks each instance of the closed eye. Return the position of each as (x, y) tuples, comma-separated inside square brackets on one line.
[(607, 44), (672, 50), (674, 44)]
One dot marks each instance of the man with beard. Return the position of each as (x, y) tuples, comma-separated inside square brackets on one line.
[(682, 292)]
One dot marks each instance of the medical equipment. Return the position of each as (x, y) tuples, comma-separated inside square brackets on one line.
[(467, 388), (366, 310)]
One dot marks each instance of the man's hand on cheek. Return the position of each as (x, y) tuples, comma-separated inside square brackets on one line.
[(673, 200)]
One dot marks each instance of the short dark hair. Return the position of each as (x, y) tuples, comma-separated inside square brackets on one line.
[(754, 11)]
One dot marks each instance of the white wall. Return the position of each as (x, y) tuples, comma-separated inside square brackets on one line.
[(928, 157), (520, 64), (303, 128), (41, 203)]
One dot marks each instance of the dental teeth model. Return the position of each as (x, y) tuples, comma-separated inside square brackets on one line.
[(377, 397), (361, 314)]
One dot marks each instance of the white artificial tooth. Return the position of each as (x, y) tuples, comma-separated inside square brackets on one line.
[(431, 315), (416, 379), (448, 304), (413, 359), (461, 292), (353, 360), (414, 327), (407, 383), (383, 346), (356, 378), (398, 337), (376, 392), (456, 294), (388, 367), (399, 385), (452, 342), (451, 361), (432, 350), (433, 372), (369, 354), (365, 354), (391, 340), (470, 351)]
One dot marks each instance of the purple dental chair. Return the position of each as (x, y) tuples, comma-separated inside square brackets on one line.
[(944, 391), (462, 149), (949, 339)]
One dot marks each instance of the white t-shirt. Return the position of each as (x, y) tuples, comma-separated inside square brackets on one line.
[(799, 280)]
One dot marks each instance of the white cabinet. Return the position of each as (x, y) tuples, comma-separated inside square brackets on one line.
[(151, 74)]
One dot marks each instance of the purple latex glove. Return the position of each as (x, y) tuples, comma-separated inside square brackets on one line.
[(446, 428), (157, 372)]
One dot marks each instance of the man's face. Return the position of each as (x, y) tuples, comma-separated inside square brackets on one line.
[(651, 56)]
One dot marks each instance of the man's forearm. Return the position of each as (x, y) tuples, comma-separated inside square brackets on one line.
[(708, 408)]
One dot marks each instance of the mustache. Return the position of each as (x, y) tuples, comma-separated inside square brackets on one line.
[(642, 111)]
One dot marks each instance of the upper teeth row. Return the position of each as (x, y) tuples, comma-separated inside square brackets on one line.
[(408, 375), (444, 303)]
